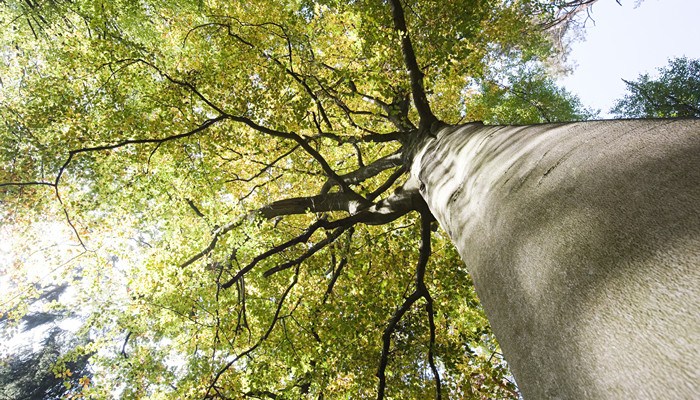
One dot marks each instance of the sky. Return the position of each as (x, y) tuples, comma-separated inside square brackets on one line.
[(625, 41)]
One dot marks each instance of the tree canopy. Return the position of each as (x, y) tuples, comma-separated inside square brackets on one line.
[(218, 179), (674, 93)]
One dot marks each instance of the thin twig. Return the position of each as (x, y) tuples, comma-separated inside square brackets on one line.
[(264, 337)]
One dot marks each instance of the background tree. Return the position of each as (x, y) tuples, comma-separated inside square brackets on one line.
[(252, 153), (527, 95), (675, 93), (40, 364)]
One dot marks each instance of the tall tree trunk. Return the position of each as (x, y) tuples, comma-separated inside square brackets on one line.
[(583, 241)]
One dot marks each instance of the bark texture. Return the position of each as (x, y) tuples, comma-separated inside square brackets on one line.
[(583, 241)]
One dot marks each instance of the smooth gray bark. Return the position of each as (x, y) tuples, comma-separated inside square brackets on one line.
[(583, 241)]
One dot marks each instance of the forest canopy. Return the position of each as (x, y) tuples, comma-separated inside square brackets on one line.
[(216, 179)]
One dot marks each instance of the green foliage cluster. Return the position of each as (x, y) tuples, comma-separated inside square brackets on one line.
[(150, 131), (674, 93), (527, 95)]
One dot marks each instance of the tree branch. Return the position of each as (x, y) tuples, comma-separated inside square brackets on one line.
[(386, 341), (303, 238), (198, 129), (68, 219), (427, 118), (264, 337), (369, 171), (399, 119), (313, 250), (247, 121), (288, 69), (400, 203), (194, 208), (387, 184), (420, 291), (267, 165), (212, 244), (642, 92), (306, 146), (334, 278), (51, 184), (315, 204), (73, 153), (262, 393), (566, 13)]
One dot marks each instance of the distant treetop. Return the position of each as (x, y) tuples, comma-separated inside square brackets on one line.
[(675, 93)]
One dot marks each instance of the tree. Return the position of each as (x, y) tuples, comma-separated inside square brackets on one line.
[(29, 373), (258, 156), (526, 96), (675, 93)]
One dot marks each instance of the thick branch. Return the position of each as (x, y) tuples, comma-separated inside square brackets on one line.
[(194, 208), (383, 137), (400, 203), (262, 393), (301, 205), (427, 118), (51, 184), (369, 171)]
